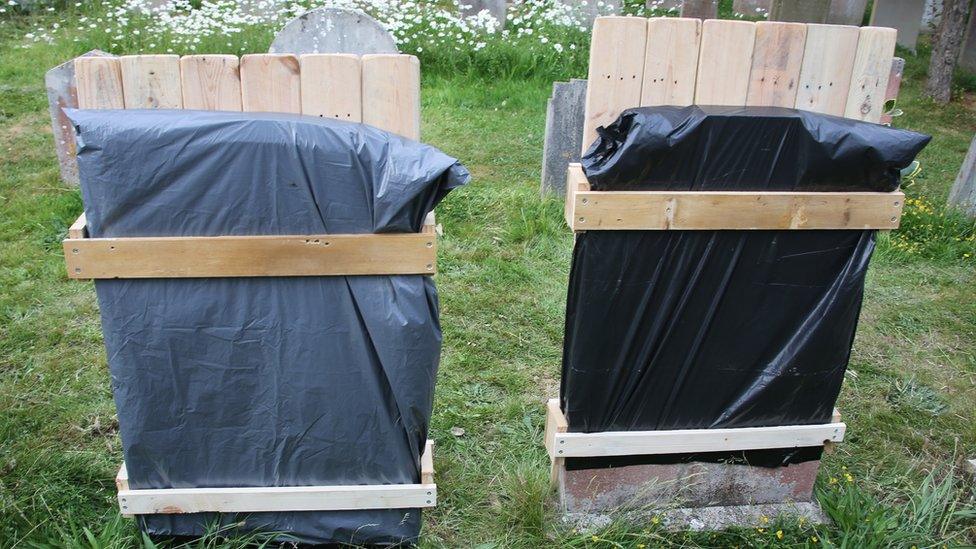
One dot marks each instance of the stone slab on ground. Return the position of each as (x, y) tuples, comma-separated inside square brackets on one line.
[(564, 133), (752, 8), (497, 9), (61, 94), (700, 9), (963, 192), (694, 484), (847, 12), (905, 16), (333, 30), (703, 518), (800, 11)]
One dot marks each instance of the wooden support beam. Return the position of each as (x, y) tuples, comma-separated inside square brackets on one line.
[(246, 256), (561, 444), (555, 424), (281, 498), (727, 210)]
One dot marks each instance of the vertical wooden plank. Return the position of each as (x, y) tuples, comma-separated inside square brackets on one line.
[(332, 86), (828, 60), (869, 78), (894, 85), (99, 83), (670, 61), (776, 61), (211, 82), (151, 81), (724, 62), (391, 93), (616, 71), (270, 82)]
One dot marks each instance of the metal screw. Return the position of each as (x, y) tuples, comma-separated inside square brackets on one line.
[(430, 267), (893, 218), (562, 442), (586, 201), (430, 244), (560, 451), (77, 269), (582, 220), (897, 203), (428, 501), (74, 250), (428, 493)]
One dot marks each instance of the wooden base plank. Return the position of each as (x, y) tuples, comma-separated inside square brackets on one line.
[(562, 444), (728, 210), (283, 498), (248, 256)]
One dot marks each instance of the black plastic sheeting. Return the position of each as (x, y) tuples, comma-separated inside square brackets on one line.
[(279, 381), (720, 329)]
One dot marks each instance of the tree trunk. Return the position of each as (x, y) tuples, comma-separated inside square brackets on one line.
[(945, 49)]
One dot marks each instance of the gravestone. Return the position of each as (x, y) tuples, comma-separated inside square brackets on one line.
[(905, 16), (799, 11), (664, 5), (700, 9), (963, 193), (967, 56), (471, 8), (61, 94), (333, 30), (751, 8), (847, 12), (564, 133)]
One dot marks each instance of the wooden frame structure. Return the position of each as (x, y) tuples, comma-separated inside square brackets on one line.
[(283, 498), (380, 90), (831, 69)]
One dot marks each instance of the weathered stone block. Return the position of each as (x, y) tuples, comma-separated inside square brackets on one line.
[(61, 94), (333, 30), (470, 8), (963, 192), (905, 16), (695, 484), (564, 133), (847, 12), (588, 10), (700, 9), (799, 11), (967, 57)]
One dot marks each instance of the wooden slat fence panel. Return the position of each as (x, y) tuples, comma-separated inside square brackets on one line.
[(271, 83), (332, 86), (391, 93), (151, 82), (776, 61), (211, 82), (670, 61)]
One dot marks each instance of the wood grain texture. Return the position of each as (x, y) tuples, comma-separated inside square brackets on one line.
[(79, 229), (427, 463), (828, 60), (869, 77), (724, 62), (211, 82), (271, 83), (99, 83), (575, 182), (391, 93), (631, 443), (332, 86), (776, 61), (555, 424), (151, 81), (670, 61), (291, 498), (248, 256), (747, 210), (615, 73)]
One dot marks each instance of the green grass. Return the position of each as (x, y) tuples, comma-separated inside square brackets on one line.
[(504, 259)]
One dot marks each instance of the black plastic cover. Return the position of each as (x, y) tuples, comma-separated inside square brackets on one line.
[(274, 381), (719, 329)]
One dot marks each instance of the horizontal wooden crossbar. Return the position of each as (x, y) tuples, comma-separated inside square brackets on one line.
[(726, 210), (283, 498), (562, 444), (250, 256)]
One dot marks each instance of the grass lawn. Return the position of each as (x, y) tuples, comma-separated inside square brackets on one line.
[(909, 397)]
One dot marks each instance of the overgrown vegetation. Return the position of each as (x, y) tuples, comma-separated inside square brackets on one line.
[(908, 398)]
